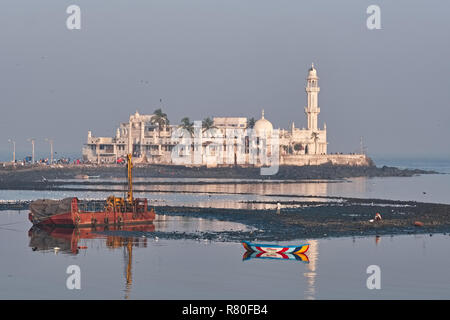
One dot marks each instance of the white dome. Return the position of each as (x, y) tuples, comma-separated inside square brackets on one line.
[(263, 126)]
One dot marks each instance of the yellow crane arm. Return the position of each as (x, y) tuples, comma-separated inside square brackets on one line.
[(130, 179)]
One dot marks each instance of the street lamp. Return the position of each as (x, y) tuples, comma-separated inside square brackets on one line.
[(51, 149), (32, 144), (14, 149)]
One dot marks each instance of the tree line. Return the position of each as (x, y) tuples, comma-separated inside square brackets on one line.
[(160, 119)]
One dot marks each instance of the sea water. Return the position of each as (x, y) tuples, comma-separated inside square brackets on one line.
[(129, 267), (411, 266)]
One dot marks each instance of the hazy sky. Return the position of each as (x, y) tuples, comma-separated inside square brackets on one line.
[(227, 58)]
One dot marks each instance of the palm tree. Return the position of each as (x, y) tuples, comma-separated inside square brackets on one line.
[(315, 137), (187, 125), (159, 118), (251, 123), (207, 124), (298, 147)]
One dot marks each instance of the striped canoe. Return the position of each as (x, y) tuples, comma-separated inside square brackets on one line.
[(272, 248)]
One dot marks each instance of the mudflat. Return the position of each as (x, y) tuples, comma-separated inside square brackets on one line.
[(337, 217), (334, 218)]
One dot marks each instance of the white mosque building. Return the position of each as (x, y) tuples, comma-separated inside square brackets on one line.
[(144, 139)]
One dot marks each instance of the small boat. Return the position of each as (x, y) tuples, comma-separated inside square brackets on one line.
[(275, 256), (272, 248)]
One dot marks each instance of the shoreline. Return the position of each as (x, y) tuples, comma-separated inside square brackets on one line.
[(41, 177), (340, 218)]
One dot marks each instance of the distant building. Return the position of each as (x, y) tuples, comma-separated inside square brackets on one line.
[(227, 122), (143, 138), (139, 136)]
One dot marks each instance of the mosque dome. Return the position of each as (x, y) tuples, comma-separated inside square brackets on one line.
[(263, 126)]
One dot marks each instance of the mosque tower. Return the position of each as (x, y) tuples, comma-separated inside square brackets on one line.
[(312, 90)]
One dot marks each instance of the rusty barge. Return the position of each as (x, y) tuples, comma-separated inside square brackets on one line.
[(73, 212)]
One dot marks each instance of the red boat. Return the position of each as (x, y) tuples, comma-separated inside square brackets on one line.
[(75, 213)]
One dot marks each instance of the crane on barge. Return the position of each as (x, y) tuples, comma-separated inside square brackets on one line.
[(128, 203), (73, 212), (118, 203)]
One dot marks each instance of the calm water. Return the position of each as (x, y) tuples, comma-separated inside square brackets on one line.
[(426, 188), (134, 267)]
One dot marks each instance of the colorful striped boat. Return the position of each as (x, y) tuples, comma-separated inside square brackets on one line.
[(275, 256), (273, 248)]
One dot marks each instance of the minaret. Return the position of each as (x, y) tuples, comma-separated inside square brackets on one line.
[(312, 90)]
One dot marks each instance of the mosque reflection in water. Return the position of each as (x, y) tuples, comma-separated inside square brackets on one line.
[(262, 195)]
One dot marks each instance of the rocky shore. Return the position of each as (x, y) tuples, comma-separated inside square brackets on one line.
[(36, 176)]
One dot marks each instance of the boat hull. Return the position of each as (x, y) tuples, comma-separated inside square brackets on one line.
[(269, 248), (78, 218)]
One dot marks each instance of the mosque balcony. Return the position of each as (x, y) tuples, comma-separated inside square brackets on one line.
[(312, 110)]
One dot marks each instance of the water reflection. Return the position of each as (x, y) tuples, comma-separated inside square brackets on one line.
[(180, 269), (249, 195), (377, 240), (314, 188), (66, 240), (275, 256), (311, 258), (311, 274)]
